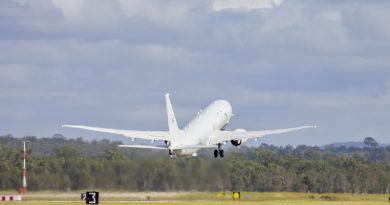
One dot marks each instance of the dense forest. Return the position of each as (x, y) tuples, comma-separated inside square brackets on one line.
[(58, 163)]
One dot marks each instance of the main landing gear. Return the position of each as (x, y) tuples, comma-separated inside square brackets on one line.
[(219, 152)]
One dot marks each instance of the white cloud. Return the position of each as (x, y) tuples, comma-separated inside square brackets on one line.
[(331, 16), (219, 5), (327, 101), (326, 59), (71, 9), (156, 113), (14, 73), (290, 16), (171, 13)]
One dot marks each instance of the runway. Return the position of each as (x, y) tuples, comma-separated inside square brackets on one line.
[(109, 201), (197, 198)]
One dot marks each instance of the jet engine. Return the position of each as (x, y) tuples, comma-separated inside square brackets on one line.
[(238, 142)]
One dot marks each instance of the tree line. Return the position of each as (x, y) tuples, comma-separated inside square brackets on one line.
[(73, 164)]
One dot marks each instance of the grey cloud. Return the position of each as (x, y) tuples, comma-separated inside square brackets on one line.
[(109, 63)]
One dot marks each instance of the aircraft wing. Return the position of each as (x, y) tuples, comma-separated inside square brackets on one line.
[(148, 135), (223, 136)]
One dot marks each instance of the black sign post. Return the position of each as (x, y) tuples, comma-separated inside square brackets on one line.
[(92, 197), (83, 197)]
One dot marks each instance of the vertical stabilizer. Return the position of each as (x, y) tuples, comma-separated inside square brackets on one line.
[(172, 123)]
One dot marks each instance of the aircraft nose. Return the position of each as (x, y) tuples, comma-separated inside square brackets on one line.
[(226, 106)]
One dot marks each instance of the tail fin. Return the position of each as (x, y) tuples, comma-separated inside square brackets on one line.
[(172, 123)]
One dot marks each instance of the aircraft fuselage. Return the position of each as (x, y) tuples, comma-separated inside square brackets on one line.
[(201, 129)]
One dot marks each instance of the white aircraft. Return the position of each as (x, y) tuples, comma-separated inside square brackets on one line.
[(206, 130)]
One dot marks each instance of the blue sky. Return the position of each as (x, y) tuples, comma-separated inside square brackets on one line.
[(280, 64)]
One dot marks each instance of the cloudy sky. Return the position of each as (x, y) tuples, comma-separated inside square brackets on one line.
[(280, 63)]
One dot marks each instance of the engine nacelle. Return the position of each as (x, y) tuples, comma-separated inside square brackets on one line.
[(238, 142)]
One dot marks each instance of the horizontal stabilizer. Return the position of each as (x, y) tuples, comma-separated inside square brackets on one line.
[(143, 146)]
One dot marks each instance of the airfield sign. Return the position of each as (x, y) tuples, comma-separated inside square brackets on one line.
[(90, 197)]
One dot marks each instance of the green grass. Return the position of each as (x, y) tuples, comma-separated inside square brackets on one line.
[(284, 196), (288, 202)]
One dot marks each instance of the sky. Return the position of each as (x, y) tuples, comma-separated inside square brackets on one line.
[(280, 63)]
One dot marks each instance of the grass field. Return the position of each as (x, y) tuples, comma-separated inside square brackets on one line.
[(207, 202), (197, 198), (288, 202)]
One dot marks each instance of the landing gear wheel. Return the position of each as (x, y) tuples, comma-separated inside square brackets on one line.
[(221, 153), (215, 153)]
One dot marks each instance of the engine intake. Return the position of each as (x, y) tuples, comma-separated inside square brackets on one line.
[(236, 142)]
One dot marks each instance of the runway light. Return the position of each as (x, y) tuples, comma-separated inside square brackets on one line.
[(11, 198), (236, 195)]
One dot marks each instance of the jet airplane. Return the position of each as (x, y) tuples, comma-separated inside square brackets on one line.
[(206, 130)]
